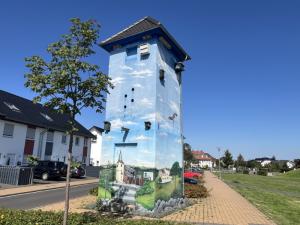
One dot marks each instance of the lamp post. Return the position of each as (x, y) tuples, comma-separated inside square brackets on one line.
[(219, 150)]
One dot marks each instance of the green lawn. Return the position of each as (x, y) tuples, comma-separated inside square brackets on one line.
[(278, 197), (147, 201), (162, 191)]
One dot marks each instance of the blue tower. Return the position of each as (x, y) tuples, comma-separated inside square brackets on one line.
[(142, 144)]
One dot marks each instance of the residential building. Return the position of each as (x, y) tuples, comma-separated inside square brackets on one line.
[(96, 146), (27, 129), (203, 159), (264, 161)]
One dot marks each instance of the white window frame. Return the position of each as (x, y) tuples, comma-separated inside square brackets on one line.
[(77, 142), (27, 133), (62, 138), (13, 128)]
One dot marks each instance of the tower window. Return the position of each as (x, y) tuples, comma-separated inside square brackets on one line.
[(132, 100), (132, 89), (125, 96), (125, 106), (131, 53)]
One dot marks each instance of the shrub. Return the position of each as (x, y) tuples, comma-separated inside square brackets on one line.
[(262, 172), (94, 191), (145, 189), (245, 171), (195, 191), (38, 217)]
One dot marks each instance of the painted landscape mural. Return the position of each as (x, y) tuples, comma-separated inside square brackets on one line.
[(142, 149)]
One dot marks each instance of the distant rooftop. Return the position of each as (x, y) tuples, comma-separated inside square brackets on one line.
[(139, 31)]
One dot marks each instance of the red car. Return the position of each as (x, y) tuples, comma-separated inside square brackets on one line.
[(190, 174)]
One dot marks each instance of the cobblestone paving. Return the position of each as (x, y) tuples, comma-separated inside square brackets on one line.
[(223, 206)]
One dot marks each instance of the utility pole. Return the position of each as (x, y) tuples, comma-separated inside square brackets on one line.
[(219, 150)]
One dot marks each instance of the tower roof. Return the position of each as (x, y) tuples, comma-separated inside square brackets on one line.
[(120, 157), (139, 30)]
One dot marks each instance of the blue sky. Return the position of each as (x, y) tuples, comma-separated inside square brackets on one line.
[(241, 88)]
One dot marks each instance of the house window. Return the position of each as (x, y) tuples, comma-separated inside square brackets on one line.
[(85, 143), (8, 130), (64, 139), (77, 140), (50, 136), (30, 134)]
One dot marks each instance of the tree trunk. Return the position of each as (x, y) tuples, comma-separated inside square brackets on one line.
[(68, 180)]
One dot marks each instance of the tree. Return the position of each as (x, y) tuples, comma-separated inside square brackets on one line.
[(187, 152), (227, 158), (297, 163), (175, 169), (187, 155), (68, 82), (240, 162)]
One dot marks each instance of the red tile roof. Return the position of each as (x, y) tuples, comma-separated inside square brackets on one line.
[(203, 156)]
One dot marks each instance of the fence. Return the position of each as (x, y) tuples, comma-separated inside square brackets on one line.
[(92, 171), (16, 175)]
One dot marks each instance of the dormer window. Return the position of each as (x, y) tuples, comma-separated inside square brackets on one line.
[(47, 117), (12, 107)]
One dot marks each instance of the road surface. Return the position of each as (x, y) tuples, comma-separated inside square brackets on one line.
[(41, 198)]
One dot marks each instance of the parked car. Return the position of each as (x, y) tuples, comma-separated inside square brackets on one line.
[(78, 172), (190, 174), (197, 170), (190, 180), (47, 169)]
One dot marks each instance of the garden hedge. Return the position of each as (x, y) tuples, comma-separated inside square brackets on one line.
[(38, 217)]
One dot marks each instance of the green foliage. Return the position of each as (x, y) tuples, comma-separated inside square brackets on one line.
[(175, 169), (262, 172), (38, 217), (68, 82), (94, 191), (253, 164), (32, 160), (227, 158), (297, 163), (75, 164), (145, 189), (240, 162), (187, 155)]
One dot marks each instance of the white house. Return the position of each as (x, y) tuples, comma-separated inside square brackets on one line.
[(31, 129), (290, 164), (203, 159), (96, 145), (164, 175)]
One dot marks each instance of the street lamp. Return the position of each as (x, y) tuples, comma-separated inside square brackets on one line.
[(219, 150)]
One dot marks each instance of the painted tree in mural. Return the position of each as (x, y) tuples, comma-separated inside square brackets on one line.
[(68, 82)]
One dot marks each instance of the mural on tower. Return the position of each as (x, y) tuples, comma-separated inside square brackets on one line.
[(142, 146)]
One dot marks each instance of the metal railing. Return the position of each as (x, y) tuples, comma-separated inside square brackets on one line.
[(16, 175)]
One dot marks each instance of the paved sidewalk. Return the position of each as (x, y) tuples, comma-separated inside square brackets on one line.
[(41, 187), (223, 206)]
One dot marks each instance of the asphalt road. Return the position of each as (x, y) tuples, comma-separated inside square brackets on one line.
[(41, 198)]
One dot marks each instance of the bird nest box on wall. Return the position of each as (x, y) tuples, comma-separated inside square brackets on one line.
[(142, 155)]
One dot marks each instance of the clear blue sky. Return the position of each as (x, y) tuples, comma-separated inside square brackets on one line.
[(241, 88)]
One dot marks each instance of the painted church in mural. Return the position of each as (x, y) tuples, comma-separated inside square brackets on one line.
[(142, 144)]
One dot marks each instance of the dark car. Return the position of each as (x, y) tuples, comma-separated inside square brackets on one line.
[(190, 180), (49, 169), (78, 172)]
